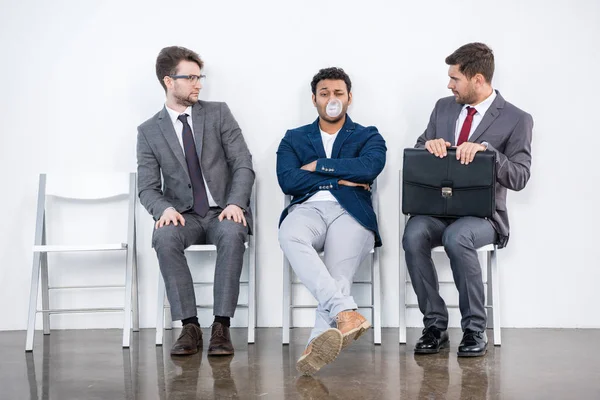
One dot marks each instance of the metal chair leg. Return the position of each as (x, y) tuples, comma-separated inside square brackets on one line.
[(376, 287), (287, 310), (160, 310)]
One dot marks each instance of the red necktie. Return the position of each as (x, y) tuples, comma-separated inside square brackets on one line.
[(466, 128)]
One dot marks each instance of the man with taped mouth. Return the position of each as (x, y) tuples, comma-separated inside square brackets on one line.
[(328, 168)]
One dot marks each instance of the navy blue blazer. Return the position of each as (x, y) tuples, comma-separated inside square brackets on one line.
[(358, 156)]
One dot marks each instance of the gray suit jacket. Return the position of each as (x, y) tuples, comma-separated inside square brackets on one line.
[(224, 157), (508, 132)]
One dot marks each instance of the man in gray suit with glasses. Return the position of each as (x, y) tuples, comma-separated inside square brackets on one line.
[(202, 197), (476, 118)]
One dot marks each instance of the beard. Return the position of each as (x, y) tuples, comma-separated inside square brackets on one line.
[(467, 98), (190, 100)]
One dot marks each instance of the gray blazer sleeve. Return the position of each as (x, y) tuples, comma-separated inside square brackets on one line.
[(513, 166), (149, 178), (239, 160)]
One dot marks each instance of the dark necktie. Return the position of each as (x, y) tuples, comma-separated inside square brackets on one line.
[(193, 163), (466, 128)]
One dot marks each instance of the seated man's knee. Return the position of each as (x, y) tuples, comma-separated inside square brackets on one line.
[(415, 236), (167, 237), (456, 241), (231, 233)]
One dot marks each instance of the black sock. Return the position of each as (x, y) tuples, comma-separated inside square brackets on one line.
[(190, 320), (222, 320)]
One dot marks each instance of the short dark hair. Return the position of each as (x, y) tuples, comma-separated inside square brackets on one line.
[(330, 73), (472, 59), (169, 58)]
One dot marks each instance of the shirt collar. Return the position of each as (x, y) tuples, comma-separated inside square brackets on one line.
[(484, 105), (174, 114)]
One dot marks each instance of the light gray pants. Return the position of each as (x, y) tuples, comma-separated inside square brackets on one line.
[(460, 238), (170, 241), (325, 226)]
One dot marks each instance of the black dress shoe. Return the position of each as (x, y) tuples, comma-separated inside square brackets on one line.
[(220, 341), (473, 344), (189, 342), (432, 341)]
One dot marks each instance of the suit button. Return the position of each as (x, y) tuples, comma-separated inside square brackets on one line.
[(190, 185)]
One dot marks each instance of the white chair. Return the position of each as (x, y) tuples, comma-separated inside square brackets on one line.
[(163, 319), (375, 283), (492, 283), (88, 188)]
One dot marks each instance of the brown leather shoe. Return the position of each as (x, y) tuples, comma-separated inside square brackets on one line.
[(220, 341), (352, 325), (188, 342), (321, 351)]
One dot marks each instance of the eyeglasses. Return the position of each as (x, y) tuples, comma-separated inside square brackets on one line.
[(193, 79)]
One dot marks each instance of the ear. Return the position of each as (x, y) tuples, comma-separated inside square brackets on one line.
[(314, 100), (479, 79), (168, 81), (349, 98)]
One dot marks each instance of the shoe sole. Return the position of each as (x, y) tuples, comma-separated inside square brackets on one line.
[(186, 352), (325, 348), (471, 354), (355, 333), (220, 353), (444, 345)]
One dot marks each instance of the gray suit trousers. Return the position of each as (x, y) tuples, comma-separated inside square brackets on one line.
[(460, 238), (170, 241)]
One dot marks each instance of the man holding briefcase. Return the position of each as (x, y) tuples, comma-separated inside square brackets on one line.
[(476, 118)]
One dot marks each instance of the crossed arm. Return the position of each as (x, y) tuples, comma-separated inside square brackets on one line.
[(298, 179)]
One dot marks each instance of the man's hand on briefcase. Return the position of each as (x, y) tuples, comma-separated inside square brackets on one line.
[(352, 184), (466, 151), (437, 147)]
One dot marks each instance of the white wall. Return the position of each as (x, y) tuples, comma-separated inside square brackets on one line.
[(78, 77)]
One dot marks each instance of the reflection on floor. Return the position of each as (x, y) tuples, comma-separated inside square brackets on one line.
[(90, 364)]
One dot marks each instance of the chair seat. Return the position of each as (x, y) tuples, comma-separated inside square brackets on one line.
[(206, 247), (487, 247), (91, 247)]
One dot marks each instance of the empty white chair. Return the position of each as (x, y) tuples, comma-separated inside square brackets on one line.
[(492, 282), (83, 189), (163, 319), (374, 283)]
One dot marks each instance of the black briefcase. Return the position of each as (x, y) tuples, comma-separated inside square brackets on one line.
[(443, 187)]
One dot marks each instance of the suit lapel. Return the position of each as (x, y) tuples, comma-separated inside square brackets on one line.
[(198, 116), (489, 117), (451, 123), (166, 126), (315, 138), (343, 134)]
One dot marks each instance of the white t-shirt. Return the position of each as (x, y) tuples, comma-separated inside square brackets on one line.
[(325, 195)]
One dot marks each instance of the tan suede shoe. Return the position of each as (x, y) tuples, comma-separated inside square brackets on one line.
[(352, 325), (321, 351)]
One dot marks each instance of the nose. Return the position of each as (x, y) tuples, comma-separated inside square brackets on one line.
[(450, 84)]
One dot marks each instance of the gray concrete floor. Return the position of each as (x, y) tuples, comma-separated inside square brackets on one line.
[(90, 364)]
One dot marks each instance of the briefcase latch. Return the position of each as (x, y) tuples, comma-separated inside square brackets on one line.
[(446, 192)]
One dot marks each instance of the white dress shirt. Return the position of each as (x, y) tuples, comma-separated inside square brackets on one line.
[(481, 109), (178, 125), (325, 195)]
